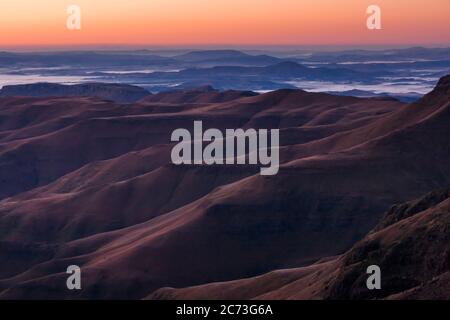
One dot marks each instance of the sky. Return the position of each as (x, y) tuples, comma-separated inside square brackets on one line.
[(221, 22)]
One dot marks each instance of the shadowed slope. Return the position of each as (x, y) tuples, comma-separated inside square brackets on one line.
[(344, 162), (413, 255)]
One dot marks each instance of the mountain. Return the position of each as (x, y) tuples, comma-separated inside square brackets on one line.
[(115, 92), (408, 54), (204, 94), (285, 70), (410, 245), (90, 182), (243, 78), (405, 74), (226, 57), (81, 59), (294, 70), (409, 98)]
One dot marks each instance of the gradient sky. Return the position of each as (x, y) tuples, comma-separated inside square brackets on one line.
[(211, 22)]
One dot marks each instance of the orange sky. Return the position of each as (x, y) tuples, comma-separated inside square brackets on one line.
[(209, 22)]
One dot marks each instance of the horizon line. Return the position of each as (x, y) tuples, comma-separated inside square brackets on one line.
[(142, 46)]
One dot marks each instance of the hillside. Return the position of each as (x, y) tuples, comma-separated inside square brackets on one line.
[(89, 182)]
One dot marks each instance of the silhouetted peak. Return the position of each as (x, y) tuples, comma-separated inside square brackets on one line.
[(440, 94), (444, 83)]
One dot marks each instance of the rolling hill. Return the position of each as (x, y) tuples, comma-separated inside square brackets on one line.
[(89, 182)]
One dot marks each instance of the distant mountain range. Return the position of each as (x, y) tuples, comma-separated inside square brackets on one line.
[(109, 91), (227, 57), (406, 74), (388, 55)]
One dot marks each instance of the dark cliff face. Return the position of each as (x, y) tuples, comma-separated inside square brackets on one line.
[(440, 94), (115, 92), (413, 255), (413, 252), (405, 210), (444, 84)]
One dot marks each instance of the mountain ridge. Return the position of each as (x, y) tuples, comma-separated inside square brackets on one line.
[(117, 207), (116, 92)]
